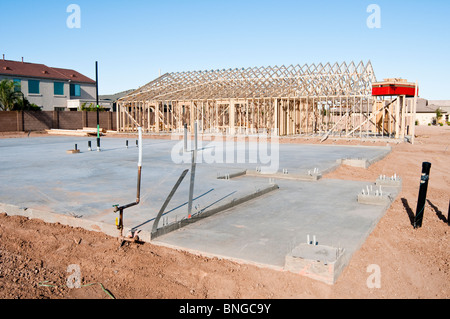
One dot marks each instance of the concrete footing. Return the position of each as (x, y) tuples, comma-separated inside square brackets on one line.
[(360, 162), (354, 162), (382, 193), (393, 181), (371, 199), (319, 262)]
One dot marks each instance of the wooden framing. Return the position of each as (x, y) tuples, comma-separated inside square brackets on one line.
[(314, 100)]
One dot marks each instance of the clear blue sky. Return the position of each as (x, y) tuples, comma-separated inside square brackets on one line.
[(132, 40)]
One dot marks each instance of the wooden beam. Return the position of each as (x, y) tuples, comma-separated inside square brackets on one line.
[(414, 109)]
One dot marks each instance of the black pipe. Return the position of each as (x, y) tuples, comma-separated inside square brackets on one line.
[(422, 194), (125, 206), (89, 145), (126, 143)]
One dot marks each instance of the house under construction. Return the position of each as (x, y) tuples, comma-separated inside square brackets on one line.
[(310, 100)]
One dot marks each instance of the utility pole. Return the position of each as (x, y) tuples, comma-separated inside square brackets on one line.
[(98, 115)]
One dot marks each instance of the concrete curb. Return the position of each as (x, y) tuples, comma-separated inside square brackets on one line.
[(363, 162), (298, 177), (53, 218), (319, 262), (195, 218)]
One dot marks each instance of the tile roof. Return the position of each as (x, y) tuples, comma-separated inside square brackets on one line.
[(430, 108), (35, 70)]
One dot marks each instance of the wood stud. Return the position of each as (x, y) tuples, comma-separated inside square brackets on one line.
[(313, 100)]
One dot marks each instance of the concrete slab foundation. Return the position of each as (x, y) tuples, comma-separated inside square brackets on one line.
[(40, 180)]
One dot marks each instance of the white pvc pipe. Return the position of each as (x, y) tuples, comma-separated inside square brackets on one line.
[(140, 146)]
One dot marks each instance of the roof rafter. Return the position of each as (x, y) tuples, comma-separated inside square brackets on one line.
[(260, 82)]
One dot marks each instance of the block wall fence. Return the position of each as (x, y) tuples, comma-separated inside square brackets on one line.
[(24, 121)]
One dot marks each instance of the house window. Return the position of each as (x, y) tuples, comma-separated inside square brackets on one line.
[(17, 85), (75, 90), (58, 88), (33, 87)]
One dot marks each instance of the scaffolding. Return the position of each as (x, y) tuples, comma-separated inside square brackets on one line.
[(309, 100)]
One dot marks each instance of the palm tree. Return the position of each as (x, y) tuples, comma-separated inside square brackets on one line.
[(23, 104), (8, 97)]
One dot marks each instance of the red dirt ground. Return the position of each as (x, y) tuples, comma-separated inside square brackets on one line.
[(413, 263)]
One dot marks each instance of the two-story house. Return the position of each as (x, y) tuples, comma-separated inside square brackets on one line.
[(50, 88)]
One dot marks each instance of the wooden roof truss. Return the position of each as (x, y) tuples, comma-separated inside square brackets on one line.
[(260, 82), (316, 100)]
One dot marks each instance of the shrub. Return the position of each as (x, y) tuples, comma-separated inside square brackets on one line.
[(91, 107)]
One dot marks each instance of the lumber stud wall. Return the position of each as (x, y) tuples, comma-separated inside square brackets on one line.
[(340, 116), (309, 100)]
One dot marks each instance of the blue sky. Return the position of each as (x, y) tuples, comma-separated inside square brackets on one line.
[(132, 40)]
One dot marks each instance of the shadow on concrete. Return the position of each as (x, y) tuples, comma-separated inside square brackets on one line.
[(409, 211), (439, 214)]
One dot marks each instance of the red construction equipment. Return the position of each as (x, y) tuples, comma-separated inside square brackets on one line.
[(393, 87)]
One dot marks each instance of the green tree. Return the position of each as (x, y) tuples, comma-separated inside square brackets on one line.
[(22, 104), (438, 115), (8, 96), (12, 99)]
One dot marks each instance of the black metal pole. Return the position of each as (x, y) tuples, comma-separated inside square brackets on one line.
[(98, 115), (422, 194), (448, 214)]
